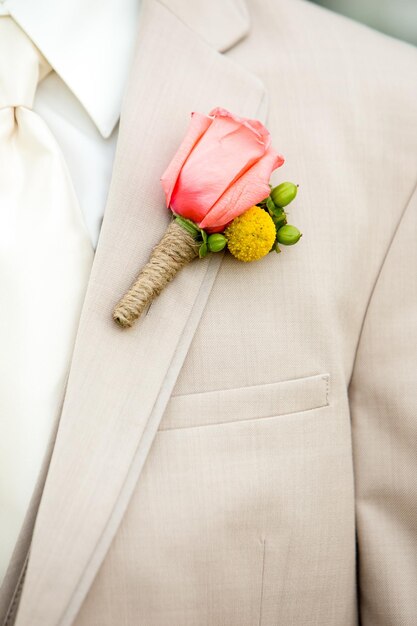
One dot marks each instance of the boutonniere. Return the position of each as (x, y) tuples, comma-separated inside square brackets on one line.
[(217, 187)]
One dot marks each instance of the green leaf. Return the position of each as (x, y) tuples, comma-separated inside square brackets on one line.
[(270, 205), (203, 235), (202, 251), (279, 220), (188, 225), (274, 210)]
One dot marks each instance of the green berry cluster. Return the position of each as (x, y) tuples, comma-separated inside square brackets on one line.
[(286, 234), (279, 198)]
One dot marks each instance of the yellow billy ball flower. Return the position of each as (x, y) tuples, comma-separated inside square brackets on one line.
[(251, 235)]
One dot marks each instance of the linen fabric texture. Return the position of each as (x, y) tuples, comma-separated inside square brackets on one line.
[(246, 453)]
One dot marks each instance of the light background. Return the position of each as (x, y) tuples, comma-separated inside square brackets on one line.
[(394, 17)]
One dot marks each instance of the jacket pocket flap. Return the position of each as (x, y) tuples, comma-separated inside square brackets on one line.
[(246, 403)]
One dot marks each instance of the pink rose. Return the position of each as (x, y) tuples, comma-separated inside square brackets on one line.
[(220, 170)]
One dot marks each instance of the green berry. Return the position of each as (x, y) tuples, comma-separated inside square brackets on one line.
[(288, 235), (283, 194), (216, 242)]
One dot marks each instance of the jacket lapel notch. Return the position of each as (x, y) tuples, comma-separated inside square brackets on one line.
[(222, 23)]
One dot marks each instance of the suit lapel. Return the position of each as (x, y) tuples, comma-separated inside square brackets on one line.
[(120, 381)]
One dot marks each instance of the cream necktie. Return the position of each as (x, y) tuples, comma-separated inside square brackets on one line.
[(45, 261)]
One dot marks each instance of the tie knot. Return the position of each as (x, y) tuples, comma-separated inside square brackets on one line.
[(22, 66)]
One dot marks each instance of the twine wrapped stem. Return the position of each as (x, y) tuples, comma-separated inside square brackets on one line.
[(175, 250)]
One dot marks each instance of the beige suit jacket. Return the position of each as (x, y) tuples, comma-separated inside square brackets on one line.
[(246, 455)]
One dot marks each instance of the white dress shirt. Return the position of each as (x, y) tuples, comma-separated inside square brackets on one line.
[(90, 47)]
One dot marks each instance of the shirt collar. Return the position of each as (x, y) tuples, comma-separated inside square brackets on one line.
[(89, 44)]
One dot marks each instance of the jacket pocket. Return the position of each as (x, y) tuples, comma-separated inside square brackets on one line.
[(246, 403)]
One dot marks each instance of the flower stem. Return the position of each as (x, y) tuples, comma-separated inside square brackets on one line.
[(175, 250)]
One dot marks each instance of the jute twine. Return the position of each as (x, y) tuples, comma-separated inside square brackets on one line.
[(175, 250)]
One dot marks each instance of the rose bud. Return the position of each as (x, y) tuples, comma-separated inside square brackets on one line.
[(220, 170)]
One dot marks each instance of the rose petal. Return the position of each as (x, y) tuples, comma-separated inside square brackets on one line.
[(248, 190), (255, 125), (224, 153), (198, 126)]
